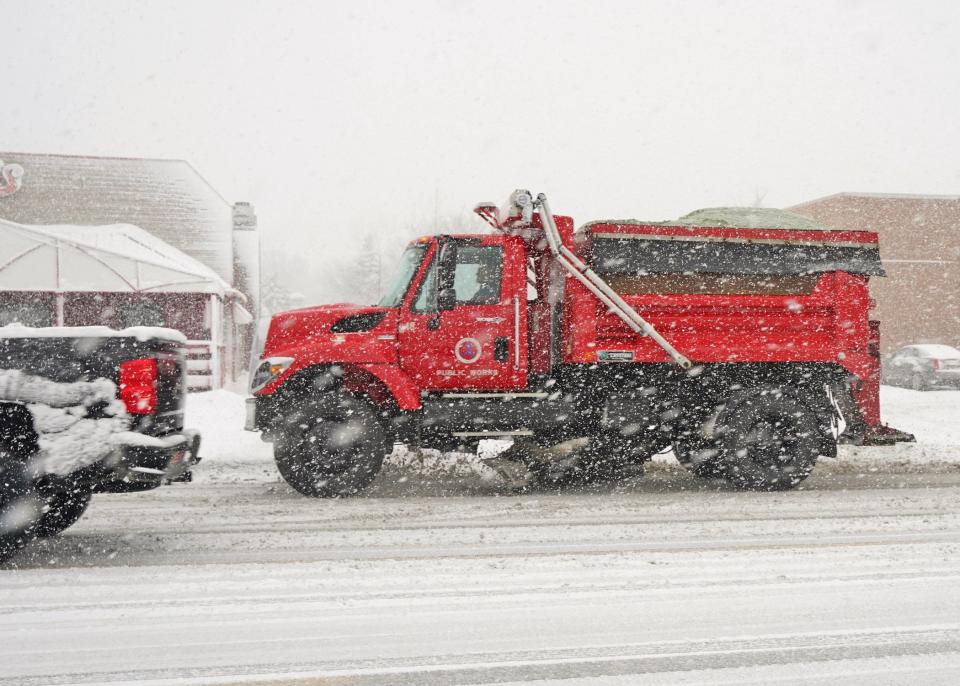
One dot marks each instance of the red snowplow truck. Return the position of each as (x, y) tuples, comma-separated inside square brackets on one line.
[(740, 338)]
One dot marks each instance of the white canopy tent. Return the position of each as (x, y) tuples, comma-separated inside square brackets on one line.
[(118, 258)]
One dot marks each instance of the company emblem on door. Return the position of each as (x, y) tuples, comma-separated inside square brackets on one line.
[(468, 350)]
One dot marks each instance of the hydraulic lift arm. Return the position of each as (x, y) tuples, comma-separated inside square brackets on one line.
[(600, 288)]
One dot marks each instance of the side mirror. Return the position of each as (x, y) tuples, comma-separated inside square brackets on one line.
[(446, 299)]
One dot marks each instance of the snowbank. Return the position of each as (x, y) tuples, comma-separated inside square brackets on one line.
[(229, 453), (932, 416), (219, 416)]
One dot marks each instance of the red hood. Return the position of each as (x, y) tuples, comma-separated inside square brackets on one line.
[(296, 328)]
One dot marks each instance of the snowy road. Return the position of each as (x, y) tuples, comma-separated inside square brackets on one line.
[(856, 577), (436, 577)]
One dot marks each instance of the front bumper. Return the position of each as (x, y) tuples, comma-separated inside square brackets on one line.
[(149, 461), (261, 415), (250, 423), (946, 378)]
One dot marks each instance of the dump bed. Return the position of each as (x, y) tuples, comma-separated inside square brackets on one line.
[(775, 288)]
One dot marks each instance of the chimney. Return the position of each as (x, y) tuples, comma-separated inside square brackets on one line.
[(246, 255)]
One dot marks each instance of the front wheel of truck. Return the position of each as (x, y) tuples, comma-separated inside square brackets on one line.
[(769, 440), (332, 446)]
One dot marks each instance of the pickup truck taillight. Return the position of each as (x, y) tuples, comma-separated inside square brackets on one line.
[(138, 385)]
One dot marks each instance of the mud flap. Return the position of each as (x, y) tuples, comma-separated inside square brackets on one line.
[(881, 434), (858, 431)]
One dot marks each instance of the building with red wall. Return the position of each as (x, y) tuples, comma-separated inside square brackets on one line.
[(919, 299), (150, 241)]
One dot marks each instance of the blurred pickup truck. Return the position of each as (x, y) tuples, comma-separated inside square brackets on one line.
[(86, 410)]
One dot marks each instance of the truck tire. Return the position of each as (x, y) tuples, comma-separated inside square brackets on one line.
[(700, 458), (63, 510), (19, 505), (330, 447), (769, 440)]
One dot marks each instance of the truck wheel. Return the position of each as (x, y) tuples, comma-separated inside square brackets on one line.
[(19, 506), (330, 447), (918, 383), (63, 511), (769, 441), (699, 458)]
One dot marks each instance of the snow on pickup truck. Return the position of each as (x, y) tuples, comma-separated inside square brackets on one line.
[(86, 410)]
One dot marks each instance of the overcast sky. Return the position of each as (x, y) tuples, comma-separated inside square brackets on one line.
[(333, 118)]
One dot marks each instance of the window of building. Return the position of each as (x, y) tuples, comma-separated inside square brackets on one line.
[(34, 313), (142, 313)]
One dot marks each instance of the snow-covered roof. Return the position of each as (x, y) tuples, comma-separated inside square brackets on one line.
[(117, 258), (141, 333), (168, 198)]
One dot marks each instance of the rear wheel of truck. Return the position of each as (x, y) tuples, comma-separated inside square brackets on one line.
[(330, 447), (769, 441), (63, 510)]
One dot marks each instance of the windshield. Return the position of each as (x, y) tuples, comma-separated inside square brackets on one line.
[(411, 259)]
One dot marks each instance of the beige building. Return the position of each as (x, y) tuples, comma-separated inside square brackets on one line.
[(919, 299), (160, 245)]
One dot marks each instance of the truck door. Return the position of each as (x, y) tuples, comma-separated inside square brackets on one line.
[(478, 340)]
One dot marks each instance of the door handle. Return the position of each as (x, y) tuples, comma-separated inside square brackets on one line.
[(492, 320), (501, 349)]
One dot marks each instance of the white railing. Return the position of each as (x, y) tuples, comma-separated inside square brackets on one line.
[(201, 374)]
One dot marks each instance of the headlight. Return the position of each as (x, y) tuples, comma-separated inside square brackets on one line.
[(269, 369)]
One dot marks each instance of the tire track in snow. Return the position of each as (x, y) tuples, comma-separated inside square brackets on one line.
[(568, 663)]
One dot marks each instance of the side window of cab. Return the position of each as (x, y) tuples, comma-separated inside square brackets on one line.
[(479, 276), (478, 279)]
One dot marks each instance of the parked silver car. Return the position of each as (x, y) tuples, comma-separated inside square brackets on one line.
[(923, 367)]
